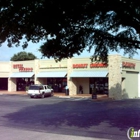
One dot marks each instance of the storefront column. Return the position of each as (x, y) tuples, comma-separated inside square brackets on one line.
[(42, 81), (12, 84), (36, 70), (71, 82), (115, 78)]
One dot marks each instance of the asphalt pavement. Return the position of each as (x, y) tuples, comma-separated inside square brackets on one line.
[(22, 118)]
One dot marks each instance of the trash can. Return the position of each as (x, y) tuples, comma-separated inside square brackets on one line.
[(67, 92), (94, 94)]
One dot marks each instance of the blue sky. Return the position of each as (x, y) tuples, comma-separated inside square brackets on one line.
[(6, 53)]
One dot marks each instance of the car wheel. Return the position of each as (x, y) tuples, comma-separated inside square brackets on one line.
[(31, 96), (51, 93), (42, 95)]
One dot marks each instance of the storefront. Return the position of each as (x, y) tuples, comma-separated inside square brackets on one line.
[(88, 75), (53, 74), (4, 74), (21, 75), (119, 78), (58, 84), (130, 74)]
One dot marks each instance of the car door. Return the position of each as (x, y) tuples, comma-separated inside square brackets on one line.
[(46, 90), (49, 89)]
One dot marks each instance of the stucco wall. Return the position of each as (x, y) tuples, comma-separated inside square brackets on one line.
[(84, 82), (131, 84), (52, 65), (12, 84), (71, 82), (5, 69), (42, 81), (131, 81), (36, 70)]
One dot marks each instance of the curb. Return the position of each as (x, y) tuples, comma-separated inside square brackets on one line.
[(88, 98), (67, 97), (64, 97), (13, 94)]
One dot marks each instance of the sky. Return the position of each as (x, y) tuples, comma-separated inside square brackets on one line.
[(6, 53)]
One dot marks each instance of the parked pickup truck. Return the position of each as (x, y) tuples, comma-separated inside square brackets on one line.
[(40, 91)]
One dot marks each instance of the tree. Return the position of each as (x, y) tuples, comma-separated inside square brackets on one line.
[(23, 56), (69, 27)]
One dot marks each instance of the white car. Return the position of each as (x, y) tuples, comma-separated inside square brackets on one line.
[(40, 91)]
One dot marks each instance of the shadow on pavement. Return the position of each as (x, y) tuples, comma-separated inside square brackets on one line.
[(88, 118)]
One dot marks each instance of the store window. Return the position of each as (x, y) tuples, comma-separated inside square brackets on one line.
[(101, 85), (58, 84), (22, 83)]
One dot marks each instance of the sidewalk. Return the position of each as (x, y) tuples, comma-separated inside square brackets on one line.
[(2, 92), (60, 95)]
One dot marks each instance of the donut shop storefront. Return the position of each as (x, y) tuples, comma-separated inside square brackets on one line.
[(119, 78), (84, 75)]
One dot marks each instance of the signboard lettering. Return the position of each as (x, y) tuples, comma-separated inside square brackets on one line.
[(21, 68), (80, 65), (16, 66), (128, 65), (92, 65), (98, 65)]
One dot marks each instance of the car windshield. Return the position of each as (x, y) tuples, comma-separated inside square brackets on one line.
[(34, 87)]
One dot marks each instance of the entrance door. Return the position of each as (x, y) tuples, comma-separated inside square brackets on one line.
[(3, 83)]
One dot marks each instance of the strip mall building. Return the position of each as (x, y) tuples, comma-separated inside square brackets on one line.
[(120, 78)]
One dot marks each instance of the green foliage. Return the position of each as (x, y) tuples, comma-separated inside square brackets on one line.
[(23, 56), (73, 26)]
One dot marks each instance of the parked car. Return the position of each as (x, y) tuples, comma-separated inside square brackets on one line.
[(40, 91)]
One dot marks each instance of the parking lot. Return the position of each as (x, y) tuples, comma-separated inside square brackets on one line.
[(77, 117)]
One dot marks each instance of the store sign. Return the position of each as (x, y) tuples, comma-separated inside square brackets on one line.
[(98, 65), (54, 67), (128, 65), (92, 65), (80, 65), (22, 68)]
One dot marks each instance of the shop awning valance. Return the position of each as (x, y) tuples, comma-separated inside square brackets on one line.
[(22, 75), (81, 74), (54, 74)]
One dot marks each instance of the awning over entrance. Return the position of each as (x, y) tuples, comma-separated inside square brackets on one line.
[(89, 74), (21, 75), (50, 74)]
